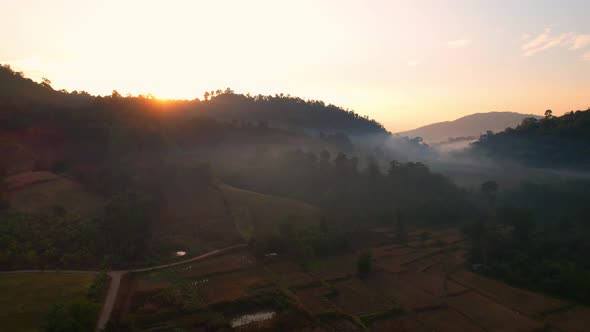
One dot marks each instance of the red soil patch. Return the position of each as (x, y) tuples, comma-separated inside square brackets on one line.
[(21, 180)]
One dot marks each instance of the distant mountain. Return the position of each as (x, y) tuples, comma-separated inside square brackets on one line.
[(467, 126)]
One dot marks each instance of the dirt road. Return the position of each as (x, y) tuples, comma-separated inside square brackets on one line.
[(111, 297), (109, 303)]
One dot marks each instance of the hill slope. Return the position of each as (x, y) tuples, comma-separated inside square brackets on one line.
[(554, 142), (467, 126), (254, 211), (38, 191)]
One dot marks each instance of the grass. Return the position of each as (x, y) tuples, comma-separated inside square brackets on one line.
[(25, 298), (254, 211), (58, 192)]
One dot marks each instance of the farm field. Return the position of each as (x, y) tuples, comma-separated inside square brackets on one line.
[(25, 298), (327, 295), (36, 191), (255, 211)]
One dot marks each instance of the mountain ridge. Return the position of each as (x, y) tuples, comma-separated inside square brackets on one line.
[(470, 125)]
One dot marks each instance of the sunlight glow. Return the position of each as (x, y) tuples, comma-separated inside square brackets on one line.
[(405, 63)]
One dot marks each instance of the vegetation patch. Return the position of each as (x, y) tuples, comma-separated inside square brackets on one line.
[(26, 298)]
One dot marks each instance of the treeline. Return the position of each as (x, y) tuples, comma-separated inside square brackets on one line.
[(302, 241), (537, 237), (555, 142), (287, 111), (20, 97), (360, 190)]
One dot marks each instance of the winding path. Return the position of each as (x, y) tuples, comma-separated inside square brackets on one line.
[(111, 297)]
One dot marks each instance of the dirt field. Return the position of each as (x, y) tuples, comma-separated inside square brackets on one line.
[(576, 319), (447, 320), (25, 298), (355, 298), (520, 300), (404, 292), (491, 315)]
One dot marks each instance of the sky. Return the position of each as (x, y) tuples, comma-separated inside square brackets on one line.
[(403, 63)]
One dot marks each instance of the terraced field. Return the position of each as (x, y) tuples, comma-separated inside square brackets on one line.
[(421, 286)]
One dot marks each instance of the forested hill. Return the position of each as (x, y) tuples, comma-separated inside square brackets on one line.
[(284, 111), (290, 112), (555, 142)]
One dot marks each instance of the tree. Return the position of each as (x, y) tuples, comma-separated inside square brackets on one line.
[(206, 95), (489, 189), (78, 316), (126, 223), (45, 82), (523, 222), (548, 114), (364, 264)]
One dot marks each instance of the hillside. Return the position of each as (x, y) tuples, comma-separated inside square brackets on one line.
[(553, 142), (18, 93), (35, 192), (255, 212), (288, 112), (468, 126), (153, 168)]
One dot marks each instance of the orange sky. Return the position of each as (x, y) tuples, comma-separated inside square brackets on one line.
[(404, 63)]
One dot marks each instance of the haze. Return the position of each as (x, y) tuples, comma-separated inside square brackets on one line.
[(406, 63)]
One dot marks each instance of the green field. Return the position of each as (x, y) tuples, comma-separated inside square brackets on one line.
[(25, 298)]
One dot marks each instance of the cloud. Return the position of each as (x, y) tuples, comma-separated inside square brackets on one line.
[(459, 43), (580, 41), (546, 40), (414, 62), (586, 56)]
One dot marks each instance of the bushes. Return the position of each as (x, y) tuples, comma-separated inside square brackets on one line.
[(97, 290), (77, 316), (300, 242)]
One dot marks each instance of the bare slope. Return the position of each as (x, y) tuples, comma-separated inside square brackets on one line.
[(253, 211), (36, 191), (217, 215)]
